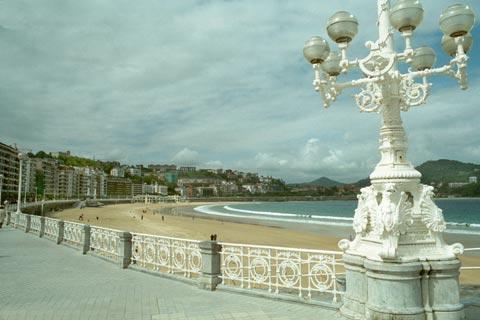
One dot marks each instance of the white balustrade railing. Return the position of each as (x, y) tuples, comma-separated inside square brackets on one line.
[(310, 274), (35, 224), (73, 233), (13, 218), (51, 228), (105, 242), (166, 254), (22, 220)]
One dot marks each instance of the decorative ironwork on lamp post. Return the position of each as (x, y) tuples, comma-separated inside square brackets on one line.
[(397, 224)]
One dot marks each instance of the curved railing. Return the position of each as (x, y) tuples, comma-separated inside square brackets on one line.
[(35, 224), (104, 242), (51, 228), (73, 233), (310, 274), (166, 254), (21, 220)]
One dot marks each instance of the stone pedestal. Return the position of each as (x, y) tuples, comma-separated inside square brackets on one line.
[(124, 249), (356, 287), (444, 291), (394, 291), (210, 273), (379, 290)]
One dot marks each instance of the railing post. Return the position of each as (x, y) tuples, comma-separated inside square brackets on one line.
[(28, 222), (86, 238), (61, 229), (41, 233), (17, 220), (8, 217), (125, 249), (210, 273), (4, 217)]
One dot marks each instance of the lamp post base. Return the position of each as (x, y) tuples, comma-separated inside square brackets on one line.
[(421, 290)]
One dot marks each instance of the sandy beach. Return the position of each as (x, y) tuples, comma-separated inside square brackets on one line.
[(180, 220)]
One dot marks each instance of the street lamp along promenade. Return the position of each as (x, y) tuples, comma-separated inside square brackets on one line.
[(21, 157), (398, 226)]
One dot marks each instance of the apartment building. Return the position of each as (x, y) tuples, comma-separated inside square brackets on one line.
[(9, 165)]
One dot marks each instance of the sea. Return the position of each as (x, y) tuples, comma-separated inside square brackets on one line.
[(462, 215)]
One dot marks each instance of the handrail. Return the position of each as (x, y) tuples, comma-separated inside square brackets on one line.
[(163, 237), (282, 248)]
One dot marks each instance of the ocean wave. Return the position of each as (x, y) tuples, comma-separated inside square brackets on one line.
[(466, 228), (464, 224), (268, 213), (207, 210)]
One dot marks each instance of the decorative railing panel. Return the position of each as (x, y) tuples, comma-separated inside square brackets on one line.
[(13, 218), (105, 242), (310, 274), (22, 221), (73, 233), (35, 224), (51, 228), (166, 254)]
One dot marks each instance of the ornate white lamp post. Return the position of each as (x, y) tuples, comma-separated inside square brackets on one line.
[(398, 266)]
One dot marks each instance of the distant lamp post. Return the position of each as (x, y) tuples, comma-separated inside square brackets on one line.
[(399, 229), (1, 188), (21, 156)]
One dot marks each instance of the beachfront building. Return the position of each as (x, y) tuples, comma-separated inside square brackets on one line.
[(117, 172), (67, 182), (48, 170), (137, 188), (183, 170), (155, 189), (454, 185), (9, 166), (118, 187), (171, 177), (28, 179), (134, 171)]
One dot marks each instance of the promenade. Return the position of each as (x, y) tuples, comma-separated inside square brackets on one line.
[(42, 280)]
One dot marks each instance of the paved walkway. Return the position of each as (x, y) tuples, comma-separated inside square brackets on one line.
[(42, 280)]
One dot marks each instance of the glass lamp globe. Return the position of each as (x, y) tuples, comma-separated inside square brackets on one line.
[(406, 15), (457, 20), (342, 27), (423, 58), (316, 50), (332, 64), (450, 46)]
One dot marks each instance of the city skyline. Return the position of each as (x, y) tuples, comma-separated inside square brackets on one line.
[(208, 84)]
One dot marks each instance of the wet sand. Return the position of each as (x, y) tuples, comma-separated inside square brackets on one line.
[(180, 220)]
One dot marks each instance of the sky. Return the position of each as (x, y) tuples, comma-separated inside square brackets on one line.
[(217, 84)]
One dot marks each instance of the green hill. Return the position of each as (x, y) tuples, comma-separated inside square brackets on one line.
[(447, 171)]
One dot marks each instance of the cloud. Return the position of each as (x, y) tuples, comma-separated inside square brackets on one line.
[(201, 81), (187, 157)]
